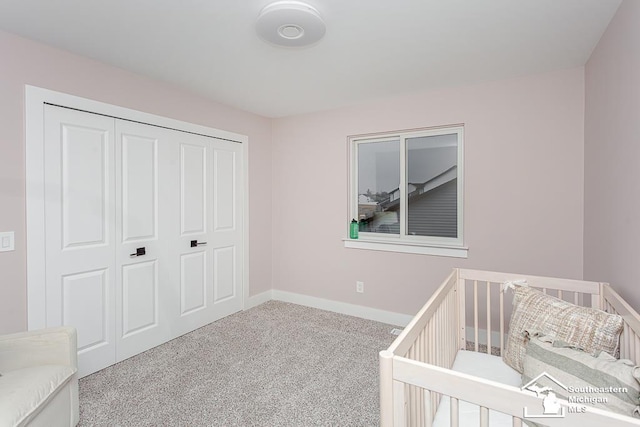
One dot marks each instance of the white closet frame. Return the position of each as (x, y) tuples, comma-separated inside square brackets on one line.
[(35, 100)]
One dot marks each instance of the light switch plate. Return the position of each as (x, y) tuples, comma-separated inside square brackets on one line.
[(7, 241)]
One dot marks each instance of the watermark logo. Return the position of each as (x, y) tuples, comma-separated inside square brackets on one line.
[(551, 407), (559, 400)]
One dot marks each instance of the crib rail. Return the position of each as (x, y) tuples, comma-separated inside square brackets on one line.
[(437, 319), (630, 338), (431, 337), (470, 309), (485, 313), (491, 395)]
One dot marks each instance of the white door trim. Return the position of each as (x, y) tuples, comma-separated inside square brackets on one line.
[(35, 99)]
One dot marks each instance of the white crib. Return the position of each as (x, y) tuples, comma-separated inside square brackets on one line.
[(415, 371)]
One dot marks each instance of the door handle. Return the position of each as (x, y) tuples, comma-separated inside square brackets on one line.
[(139, 252), (195, 243)]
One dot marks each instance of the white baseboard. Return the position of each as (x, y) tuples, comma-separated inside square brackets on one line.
[(391, 318), (482, 336), (258, 299)]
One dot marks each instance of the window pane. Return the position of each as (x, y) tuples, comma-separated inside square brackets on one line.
[(379, 187), (432, 186)]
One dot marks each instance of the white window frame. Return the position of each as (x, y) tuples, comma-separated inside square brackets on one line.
[(427, 245)]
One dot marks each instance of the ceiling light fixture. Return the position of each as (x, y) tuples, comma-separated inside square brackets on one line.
[(290, 24)]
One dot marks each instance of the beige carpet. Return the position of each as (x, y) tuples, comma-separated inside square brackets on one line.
[(277, 364)]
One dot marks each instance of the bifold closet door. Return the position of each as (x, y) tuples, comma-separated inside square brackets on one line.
[(80, 235), (143, 232), (208, 233), (106, 234), (226, 229)]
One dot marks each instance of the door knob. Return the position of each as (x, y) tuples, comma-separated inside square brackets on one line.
[(195, 243), (139, 252)]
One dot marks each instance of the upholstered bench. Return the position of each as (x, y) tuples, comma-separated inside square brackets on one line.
[(39, 381)]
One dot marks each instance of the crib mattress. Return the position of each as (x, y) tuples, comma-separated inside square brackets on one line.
[(484, 366)]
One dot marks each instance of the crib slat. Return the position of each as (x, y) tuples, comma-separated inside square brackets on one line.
[(625, 350), (399, 404), (446, 334), (484, 417), (453, 406), (437, 334), (595, 301), (413, 408), (422, 413), (433, 347), (501, 323), (517, 422), (462, 314), (453, 333), (475, 313), (428, 408), (426, 343), (488, 317)]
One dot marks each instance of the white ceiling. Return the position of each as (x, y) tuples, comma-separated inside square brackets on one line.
[(373, 48)]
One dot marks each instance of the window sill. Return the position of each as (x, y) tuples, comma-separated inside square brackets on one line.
[(404, 247)]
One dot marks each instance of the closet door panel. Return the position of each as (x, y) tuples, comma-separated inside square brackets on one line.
[(224, 281), (193, 281), (190, 248), (139, 297), (143, 234), (139, 187), (79, 231), (224, 191), (226, 232), (84, 305), (193, 194), (85, 185)]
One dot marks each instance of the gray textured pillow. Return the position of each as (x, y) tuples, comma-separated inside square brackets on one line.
[(603, 382), (589, 329)]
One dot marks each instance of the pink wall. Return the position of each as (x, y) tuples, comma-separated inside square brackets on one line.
[(524, 172), (26, 62), (523, 190), (612, 155)]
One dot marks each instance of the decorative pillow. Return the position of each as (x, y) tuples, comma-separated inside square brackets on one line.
[(587, 328), (603, 382)]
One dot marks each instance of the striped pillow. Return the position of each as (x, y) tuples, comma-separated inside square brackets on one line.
[(603, 382), (587, 328)]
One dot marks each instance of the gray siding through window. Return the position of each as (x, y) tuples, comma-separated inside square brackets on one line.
[(435, 213)]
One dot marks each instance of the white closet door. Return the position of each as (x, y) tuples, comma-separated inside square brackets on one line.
[(142, 231), (80, 232), (209, 260), (225, 226), (190, 250)]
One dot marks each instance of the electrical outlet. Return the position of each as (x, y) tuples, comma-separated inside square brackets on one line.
[(7, 241), (360, 287)]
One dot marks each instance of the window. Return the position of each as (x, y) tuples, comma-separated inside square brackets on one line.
[(406, 191)]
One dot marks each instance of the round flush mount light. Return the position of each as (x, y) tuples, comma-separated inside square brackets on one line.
[(291, 31), (290, 24)]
